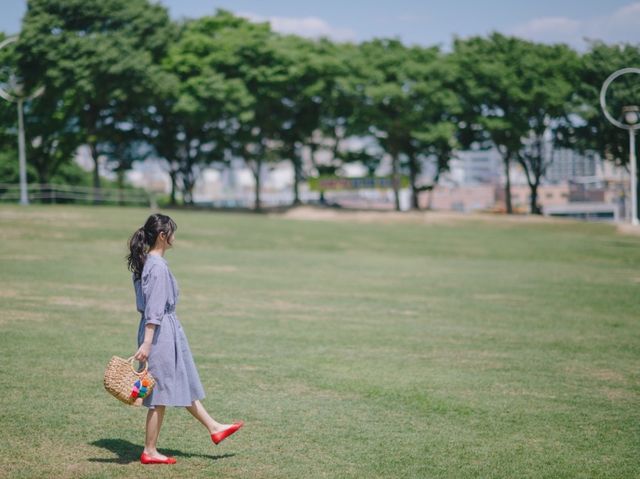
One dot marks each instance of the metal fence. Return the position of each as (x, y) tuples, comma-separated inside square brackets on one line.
[(54, 193)]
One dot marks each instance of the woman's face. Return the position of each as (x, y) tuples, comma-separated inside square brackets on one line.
[(162, 237)]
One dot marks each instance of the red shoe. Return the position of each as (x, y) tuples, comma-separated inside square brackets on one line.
[(146, 459), (218, 437)]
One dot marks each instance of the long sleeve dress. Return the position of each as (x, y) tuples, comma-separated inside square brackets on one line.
[(170, 361)]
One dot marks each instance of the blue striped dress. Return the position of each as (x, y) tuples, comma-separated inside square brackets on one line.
[(170, 360)]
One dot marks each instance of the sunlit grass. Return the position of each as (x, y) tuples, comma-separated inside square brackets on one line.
[(466, 349)]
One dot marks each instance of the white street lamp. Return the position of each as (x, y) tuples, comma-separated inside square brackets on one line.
[(631, 116), (16, 96)]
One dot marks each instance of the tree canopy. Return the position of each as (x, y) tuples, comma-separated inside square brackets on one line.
[(124, 79)]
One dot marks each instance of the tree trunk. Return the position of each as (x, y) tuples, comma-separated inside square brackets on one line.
[(312, 154), (433, 187), (257, 174), (296, 177), (174, 185), (120, 177), (97, 197), (395, 180), (43, 180), (507, 186), (189, 184), (413, 174), (534, 206)]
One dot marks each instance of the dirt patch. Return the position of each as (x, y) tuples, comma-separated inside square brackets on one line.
[(90, 304), (305, 390), (618, 394), (221, 268), (281, 305), (23, 257), (30, 316), (94, 287), (608, 375), (8, 293), (613, 379), (499, 298), (628, 229), (47, 216), (505, 389), (411, 217)]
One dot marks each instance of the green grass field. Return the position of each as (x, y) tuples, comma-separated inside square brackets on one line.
[(466, 349)]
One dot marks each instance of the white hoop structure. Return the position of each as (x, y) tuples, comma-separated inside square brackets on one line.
[(631, 128), (22, 156), (603, 98)]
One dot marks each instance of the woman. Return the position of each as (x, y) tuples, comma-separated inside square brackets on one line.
[(161, 339)]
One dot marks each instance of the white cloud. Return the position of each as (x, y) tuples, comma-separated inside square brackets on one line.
[(549, 29), (621, 25), (312, 27)]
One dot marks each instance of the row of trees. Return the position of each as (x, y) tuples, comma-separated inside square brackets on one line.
[(128, 82)]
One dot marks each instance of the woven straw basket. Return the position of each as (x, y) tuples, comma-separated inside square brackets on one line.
[(120, 378)]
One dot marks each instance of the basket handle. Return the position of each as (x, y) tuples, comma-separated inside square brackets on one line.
[(138, 373)]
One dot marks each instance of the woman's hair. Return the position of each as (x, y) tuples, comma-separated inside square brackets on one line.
[(145, 237)]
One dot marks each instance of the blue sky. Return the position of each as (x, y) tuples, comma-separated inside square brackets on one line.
[(425, 22)]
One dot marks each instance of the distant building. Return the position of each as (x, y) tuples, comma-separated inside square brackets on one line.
[(576, 185), (568, 164), (464, 198), (474, 167)]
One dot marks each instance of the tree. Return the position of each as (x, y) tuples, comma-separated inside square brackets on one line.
[(436, 110), (340, 116), (590, 129), (549, 73), (245, 52), (388, 100), (410, 107), (9, 168), (242, 59), (310, 73), (94, 58), (513, 92)]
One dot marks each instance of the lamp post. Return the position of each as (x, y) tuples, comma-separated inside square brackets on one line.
[(631, 117), (16, 96)]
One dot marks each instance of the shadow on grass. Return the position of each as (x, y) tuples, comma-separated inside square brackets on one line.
[(129, 452)]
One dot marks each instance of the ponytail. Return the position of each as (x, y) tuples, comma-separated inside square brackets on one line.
[(144, 238), (138, 252)]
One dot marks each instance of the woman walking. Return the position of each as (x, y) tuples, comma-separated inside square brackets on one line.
[(161, 339)]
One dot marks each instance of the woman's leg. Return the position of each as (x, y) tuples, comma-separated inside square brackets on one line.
[(198, 411), (154, 423)]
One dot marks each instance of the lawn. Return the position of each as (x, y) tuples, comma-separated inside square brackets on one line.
[(464, 349)]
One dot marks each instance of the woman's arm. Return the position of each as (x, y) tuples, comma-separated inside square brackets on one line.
[(155, 291), (145, 348)]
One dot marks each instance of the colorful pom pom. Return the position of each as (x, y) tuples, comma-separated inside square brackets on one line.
[(141, 388)]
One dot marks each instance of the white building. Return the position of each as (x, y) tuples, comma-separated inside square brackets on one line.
[(474, 167), (568, 164)]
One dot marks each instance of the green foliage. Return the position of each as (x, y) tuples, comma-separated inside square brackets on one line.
[(125, 80), (592, 131), (9, 167), (95, 58), (515, 92), (206, 105)]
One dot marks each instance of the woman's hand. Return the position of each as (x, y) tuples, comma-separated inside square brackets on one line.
[(143, 352)]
